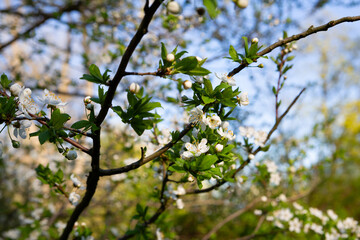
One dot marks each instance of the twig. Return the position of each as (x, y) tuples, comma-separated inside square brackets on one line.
[(311, 30)]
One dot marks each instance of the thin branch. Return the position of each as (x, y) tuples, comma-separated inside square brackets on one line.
[(142, 161), (231, 217), (311, 30), (94, 175), (45, 17), (142, 74)]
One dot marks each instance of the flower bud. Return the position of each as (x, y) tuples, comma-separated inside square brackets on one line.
[(199, 59), (15, 144), (241, 3), (89, 106), (187, 84), (173, 7), (260, 65), (27, 91), (134, 88), (87, 100), (251, 156), (219, 147), (254, 40), (15, 89), (71, 155), (170, 57), (243, 99)]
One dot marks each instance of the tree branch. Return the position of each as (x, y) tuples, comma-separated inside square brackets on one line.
[(311, 30)]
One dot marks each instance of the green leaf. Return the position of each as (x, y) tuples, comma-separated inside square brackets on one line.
[(207, 100), (81, 124), (44, 136), (233, 53), (163, 51), (246, 46), (274, 90), (211, 6), (95, 71), (199, 71), (91, 79), (186, 64), (58, 119), (5, 82), (290, 58), (208, 87), (207, 162)]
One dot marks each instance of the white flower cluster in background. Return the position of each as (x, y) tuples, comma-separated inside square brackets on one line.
[(259, 136), (173, 194), (298, 219)]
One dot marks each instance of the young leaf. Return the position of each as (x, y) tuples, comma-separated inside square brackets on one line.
[(233, 53), (211, 7)]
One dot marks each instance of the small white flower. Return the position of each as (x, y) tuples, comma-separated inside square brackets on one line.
[(195, 150), (264, 198), (332, 214), (134, 88), (271, 166), (213, 121), (251, 156), (224, 132), (254, 40), (75, 180), (71, 155), (187, 84), (224, 78), (282, 198), (257, 212), (247, 132), (196, 115), (317, 228), (74, 198), (49, 98), (283, 214), (179, 203), (244, 99), (87, 100), (298, 206), (275, 179), (295, 225), (199, 59), (170, 57), (26, 103), (15, 89), (21, 131), (180, 190), (260, 138), (173, 7), (219, 147), (159, 235)]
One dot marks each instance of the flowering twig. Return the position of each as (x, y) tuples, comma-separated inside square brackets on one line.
[(311, 30)]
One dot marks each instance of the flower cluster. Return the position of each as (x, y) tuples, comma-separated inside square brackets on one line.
[(260, 137), (298, 219), (271, 168)]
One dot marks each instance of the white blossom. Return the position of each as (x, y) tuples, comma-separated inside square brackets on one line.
[(74, 198), (21, 130), (26, 103), (180, 190), (275, 178), (159, 235), (282, 198), (242, 3), (187, 84), (257, 212), (254, 40), (271, 166), (219, 147), (196, 149), (295, 225), (173, 7), (75, 180), (283, 214), (332, 214), (179, 203), (224, 132), (213, 121), (224, 78), (316, 228), (49, 98), (134, 88), (247, 132), (244, 99), (260, 138), (15, 89)]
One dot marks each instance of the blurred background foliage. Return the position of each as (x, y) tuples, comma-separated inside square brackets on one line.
[(50, 44)]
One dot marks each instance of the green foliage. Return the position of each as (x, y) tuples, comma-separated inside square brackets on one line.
[(250, 53), (53, 131), (46, 176), (138, 113), (95, 75), (7, 109), (5, 82), (211, 6)]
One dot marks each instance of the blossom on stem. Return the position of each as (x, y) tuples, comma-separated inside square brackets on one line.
[(224, 132), (213, 121), (75, 180), (21, 130), (74, 198), (26, 103), (50, 99), (243, 99), (226, 79), (195, 150)]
